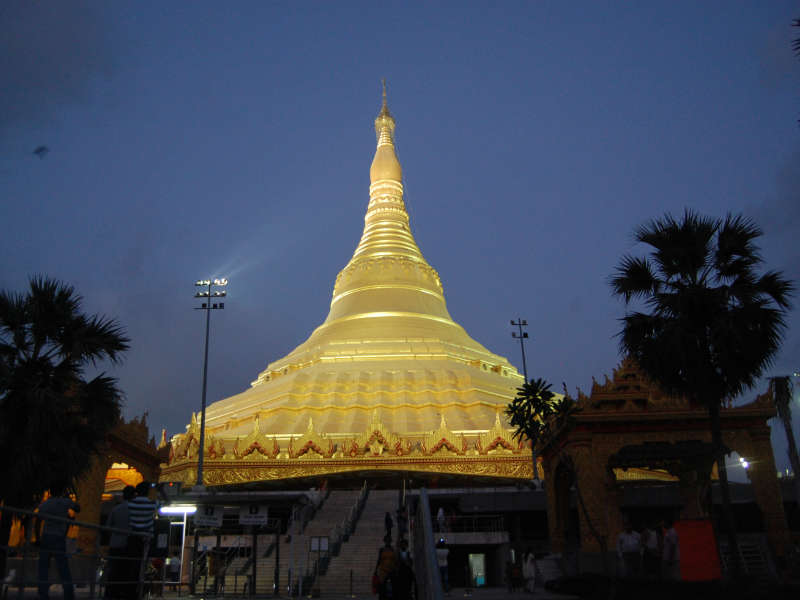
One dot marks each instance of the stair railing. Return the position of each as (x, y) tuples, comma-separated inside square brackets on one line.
[(341, 532), (429, 583)]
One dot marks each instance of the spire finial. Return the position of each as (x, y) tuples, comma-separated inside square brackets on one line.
[(384, 105)]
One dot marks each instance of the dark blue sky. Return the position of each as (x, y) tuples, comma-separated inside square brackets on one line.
[(202, 139)]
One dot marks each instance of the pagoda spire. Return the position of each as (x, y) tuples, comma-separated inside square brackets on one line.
[(385, 165)]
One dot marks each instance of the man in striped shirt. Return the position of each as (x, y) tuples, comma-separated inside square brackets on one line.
[(141, 519), (141, 510)]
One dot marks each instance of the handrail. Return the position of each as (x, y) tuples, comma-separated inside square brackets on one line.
[(71, 522), (88, 564), (470, 523), (429, 582), (345, 528)]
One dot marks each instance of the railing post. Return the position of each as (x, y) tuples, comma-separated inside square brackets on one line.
[(21, 591), (193, 576), (255, 560), (142, 565), (96, 565)]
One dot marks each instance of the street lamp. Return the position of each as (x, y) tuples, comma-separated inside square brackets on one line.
[(208, 294), (523, 335)]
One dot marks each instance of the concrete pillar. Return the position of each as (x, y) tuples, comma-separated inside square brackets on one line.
[(89, 492), (557, 513), (602, 517), (763, 475)]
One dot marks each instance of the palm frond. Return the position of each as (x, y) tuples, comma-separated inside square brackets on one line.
[(779, 289), (634, 278), (682, 248), (736, 252), (94, 339)]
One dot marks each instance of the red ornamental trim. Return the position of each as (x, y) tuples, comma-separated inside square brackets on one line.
[(376, 435), (354, 450), (498, 441), (309, 445), (252, 448), (444, 442)]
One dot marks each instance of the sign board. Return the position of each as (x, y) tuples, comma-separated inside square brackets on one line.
[(253, 514), (209, 516), (319, 544)]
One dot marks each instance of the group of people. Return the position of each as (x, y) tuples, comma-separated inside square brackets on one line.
[(393, 578), (132, 523), (653, 553)]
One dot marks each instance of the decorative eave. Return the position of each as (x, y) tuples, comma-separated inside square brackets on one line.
[(264, 457), (629, 401)]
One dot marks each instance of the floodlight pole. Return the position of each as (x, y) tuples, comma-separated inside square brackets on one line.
[(520, 323), (208, 307)]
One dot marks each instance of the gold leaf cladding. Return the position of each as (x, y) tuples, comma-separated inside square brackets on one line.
[(233, 472), (497, 437)]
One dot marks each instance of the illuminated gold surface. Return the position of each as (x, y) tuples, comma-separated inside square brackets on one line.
[(388, 381)]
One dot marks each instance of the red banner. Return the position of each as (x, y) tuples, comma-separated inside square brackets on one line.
[(698, 548)]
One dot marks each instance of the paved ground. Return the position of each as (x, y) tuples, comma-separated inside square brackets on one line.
[(455, 594)]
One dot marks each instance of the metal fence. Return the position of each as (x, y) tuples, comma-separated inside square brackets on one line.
[(79, 559), (482, 523), (426, 568)]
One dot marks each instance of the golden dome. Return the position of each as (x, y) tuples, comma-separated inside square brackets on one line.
[(388, 361)]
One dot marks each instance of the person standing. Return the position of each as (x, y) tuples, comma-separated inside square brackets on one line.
[(388, 523), (651, 548), (671, 553), (141, 522), (385, 570), (629, 550), (441, 520), (403, 580), (529, 570), (441, 559), (52, 541), (119, 565), (174, 570)]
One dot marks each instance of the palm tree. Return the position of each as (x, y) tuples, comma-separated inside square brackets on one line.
[(529, 414), (714, 323), (52, 419)]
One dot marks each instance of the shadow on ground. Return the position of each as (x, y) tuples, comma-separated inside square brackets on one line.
[(598, 587)]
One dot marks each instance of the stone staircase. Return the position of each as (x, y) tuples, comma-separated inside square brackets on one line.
[(333, 511), (360, 553), (755, 558)]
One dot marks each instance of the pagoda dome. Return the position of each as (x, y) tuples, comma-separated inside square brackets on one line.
[(388, 369)]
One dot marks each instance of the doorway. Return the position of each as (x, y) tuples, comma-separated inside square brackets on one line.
[(477, 569)]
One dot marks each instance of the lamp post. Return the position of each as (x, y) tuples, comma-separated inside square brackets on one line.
[(208, 294), (520, 323)]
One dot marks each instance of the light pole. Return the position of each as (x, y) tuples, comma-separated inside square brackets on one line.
[(520, 323), (207, 306)]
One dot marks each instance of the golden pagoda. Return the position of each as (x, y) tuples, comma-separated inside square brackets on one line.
[(388, 382)]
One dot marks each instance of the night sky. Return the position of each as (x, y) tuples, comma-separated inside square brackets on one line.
[(202, 139)]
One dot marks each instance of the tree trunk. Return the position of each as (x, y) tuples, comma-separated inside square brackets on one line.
[(535, 467), (5, 533), (727, 514)]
